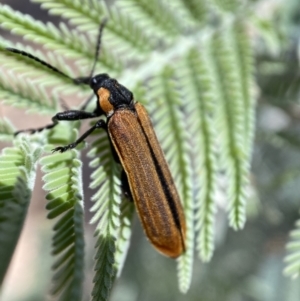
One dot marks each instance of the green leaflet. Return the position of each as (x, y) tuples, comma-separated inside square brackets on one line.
[(149, 14), (17, 176), (19, 90), (107, 214), (121, 34), (245, 64), (59, 39), (231, 125), (173, 135), (25, 94), (123, 240), (63, 182), (199, 90), (112, 215)]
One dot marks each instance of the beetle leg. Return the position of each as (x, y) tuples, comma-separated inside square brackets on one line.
[(70, 115), (100, 124)]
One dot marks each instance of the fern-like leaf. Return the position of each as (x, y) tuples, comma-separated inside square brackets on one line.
[(106, 178), (124, 234), (17, 176), (121, 34), (63, 182), (60, 39), (84, 14), (245, 64), (149, 15), (231, 125), (173, 135), (40, 76), (25, 94), (199, 91)]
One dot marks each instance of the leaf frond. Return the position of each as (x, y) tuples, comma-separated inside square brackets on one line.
[(199, 90), (59, 39), (149, 16), (231, 125), (124, 234), (17, 176), (85, 15), (245, 65), (121, 34), (172, 126), (25, 94), (63, 182), (42, 76), (106, 214)]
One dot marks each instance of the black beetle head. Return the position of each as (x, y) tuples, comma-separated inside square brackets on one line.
[(111, 94)]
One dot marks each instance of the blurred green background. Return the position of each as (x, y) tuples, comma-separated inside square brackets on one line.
[(247, 265)]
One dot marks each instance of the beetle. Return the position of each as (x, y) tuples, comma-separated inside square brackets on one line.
[(146, 178)]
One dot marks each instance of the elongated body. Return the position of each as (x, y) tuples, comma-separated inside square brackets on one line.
[(133, 139), (151, 184)]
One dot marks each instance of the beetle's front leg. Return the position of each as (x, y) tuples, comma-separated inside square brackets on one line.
[(70, 115)]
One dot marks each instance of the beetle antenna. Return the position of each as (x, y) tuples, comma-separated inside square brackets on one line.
[(77, 81), (98, 46), (86, 79), (26, 54)]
